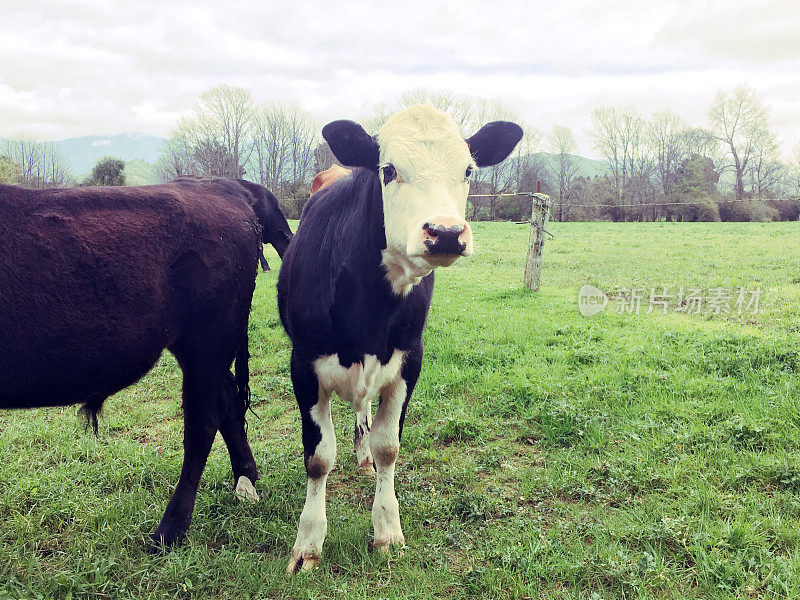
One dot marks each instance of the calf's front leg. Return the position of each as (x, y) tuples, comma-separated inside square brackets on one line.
[(387, 429), (319, 450), (385, 445)]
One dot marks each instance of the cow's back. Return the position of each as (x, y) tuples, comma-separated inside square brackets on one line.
[(96, 282)]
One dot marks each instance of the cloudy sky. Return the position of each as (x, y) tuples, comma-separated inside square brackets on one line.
[(102, 67)]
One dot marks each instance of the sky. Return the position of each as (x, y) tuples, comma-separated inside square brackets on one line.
[(103, 67)]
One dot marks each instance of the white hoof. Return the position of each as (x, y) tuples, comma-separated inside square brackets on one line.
[(388, 541), (245, 490), (303, 562), (367, 467)]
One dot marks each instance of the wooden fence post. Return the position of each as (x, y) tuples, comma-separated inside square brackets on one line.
[(540, 206)]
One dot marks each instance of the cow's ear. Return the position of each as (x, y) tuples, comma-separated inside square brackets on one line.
[(351, 145), (494, 142)]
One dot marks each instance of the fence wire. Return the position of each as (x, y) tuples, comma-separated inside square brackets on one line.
[(641, 205)]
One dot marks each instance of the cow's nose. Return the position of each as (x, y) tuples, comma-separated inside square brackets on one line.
[(444, 238)]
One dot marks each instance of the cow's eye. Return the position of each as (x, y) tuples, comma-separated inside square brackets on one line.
[(468, 173), (389, 174)]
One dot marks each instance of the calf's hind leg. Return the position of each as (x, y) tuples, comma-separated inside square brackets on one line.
[(361, 439), (232, 428)]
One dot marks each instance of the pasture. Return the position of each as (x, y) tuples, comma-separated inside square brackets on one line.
[(545, 454)]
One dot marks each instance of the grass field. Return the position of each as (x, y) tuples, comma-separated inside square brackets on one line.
[(545, 455)]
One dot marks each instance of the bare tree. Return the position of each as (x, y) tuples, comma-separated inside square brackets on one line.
[(526, 158), (509, 175), (702, 142), (467, 112), (226, 114), (764, 170), (625, 140), (284, 142), (619, 135), (738, 119), (640, 164), (214, 140), (665, 136), (562, 144), (609, 140), (176, 158), (323, 157), (462, 109), (794, 171), (302, 141), (270, 145), (41, 163)]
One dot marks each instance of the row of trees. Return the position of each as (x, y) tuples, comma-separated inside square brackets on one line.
[(279, 146), (229, 135), (31, 162), (651, 161), (660, 161), (657, 167)]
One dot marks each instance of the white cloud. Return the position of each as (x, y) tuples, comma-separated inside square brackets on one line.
[(97, 67)]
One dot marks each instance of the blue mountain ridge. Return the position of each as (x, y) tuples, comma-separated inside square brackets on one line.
[(83, 152)]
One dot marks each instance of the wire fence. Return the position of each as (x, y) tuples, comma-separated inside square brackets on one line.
[(548, 214), (641, 204), (627, 205)]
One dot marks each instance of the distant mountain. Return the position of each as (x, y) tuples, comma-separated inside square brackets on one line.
[(587, 167), (140, 152), (83, 152)]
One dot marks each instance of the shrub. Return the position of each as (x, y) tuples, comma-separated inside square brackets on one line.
[(788, 208), (748, 210)]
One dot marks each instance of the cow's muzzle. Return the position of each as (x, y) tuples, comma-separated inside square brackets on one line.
[(441, 239), (445, 239)]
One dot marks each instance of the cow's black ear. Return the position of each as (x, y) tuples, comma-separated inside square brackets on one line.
[(351, 145), (494, 142)]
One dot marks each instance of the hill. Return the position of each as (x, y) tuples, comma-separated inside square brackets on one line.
[(138, 150), (587, 167), (83, 152), (140, 172)]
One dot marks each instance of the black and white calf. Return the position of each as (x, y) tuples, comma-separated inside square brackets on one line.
[(355, 287)]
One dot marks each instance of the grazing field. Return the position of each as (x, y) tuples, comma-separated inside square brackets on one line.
[(545, 455)]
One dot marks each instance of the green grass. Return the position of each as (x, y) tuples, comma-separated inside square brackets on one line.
[(545, 455)]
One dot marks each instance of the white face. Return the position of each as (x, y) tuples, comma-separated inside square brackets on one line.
[(424, 168)]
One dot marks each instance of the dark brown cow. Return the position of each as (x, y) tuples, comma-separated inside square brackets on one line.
[(274, 228), (96, 282), (324, 178)]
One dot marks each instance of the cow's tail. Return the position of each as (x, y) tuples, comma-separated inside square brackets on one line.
[(90, 410), (242, 377)]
